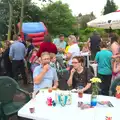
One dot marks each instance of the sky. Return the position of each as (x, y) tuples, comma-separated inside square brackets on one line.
[(86, 6)]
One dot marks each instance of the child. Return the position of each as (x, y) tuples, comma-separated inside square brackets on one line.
[(85, 48), (53, 60), (116, 69), (31, 60)]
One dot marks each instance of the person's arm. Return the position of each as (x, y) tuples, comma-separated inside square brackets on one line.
[(70, 80), (55, 49), (39, 76), (69, 53), (68, 56), (25, 51), (86, 87), (97, 57), (88, 42), (11, 53), (116, 56), (115, 69)]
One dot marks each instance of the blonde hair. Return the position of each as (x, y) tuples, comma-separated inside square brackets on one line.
[(86, 45), (45, 53), (52, 55), (72, 38)]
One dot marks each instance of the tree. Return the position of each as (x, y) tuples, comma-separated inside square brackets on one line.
[(31, 13), (109, 7), (22, 15), (7, 4), (58, 18), (84, 19), (46, 0), (10, 19)]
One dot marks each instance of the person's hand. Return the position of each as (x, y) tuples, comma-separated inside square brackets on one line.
[(69, 83), (68, 68), (54, 88), (73, 71), (59, 49), (46, 68), (114, 56), (80, 91)]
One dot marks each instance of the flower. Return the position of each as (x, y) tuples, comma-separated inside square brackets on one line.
[(95, 85), (95, 80), (118, 89)]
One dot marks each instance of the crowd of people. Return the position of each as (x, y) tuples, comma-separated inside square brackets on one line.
[(44, 62)]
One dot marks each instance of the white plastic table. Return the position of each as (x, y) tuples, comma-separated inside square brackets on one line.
[(69, 112)]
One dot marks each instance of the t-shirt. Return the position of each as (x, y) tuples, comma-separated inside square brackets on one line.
[(81, 79), (17, 51), (95, 43), (59, 44), (75, 51), (103, 59), (30, 48), (47, 80), (66, 50), (47, 47)]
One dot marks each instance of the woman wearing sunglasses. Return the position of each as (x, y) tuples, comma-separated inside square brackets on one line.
[(80, 75)]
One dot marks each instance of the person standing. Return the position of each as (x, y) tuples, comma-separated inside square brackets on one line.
[(7, 62), (115, 47), (17, 54), (94, 44), (103, 58), (73, 50), (47, 46), (30, 46), (61, 45)]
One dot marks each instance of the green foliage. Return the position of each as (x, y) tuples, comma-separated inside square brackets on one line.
[(84, 19), (86, 33), (31, 13), (109, 7), (58, 18), (46, 0)]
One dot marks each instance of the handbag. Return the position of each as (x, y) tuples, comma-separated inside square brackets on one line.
[(63, 98)]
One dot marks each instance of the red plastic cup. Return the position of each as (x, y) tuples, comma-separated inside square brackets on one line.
[(50, 90), (80, 94)]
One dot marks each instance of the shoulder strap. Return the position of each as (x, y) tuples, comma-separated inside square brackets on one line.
[(86, 73)]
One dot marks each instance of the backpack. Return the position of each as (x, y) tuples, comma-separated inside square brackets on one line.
[(63, 76)]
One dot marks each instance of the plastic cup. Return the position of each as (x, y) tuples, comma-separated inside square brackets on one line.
[(80, 94), (32, 110)]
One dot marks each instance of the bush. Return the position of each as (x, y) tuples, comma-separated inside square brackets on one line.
[(86, 33)]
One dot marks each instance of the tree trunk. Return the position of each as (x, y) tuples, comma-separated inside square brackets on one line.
[(10, 21), (14, 24), (22, 16)]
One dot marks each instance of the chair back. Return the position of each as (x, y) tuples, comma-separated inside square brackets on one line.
[(114, 84), (8, 87)]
